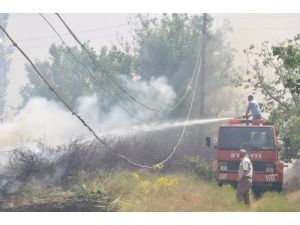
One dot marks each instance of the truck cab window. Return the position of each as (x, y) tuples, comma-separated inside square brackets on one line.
[(252, 138)]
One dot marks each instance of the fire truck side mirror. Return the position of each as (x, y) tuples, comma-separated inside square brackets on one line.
[(208, 141)]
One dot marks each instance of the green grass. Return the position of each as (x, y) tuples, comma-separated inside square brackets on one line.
[(275, 202), (143, 191)]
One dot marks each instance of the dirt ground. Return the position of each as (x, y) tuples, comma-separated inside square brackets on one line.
[(58, 202)]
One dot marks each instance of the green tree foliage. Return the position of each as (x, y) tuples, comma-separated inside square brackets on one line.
[(5, 51), (275, 72), (161, 47), (72, 79), (169, 47), (66, 76)]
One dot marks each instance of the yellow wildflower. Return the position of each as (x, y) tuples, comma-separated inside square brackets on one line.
[(227, 187), (136, 175), (164, 181), (144, 184)]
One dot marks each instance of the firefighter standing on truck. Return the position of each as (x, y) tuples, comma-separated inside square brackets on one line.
[(244, 181), (254, 107)]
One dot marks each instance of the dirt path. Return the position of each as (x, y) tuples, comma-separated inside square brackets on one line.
[(58, 202)]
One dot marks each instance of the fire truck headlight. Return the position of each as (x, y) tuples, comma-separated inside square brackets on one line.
[(269, 168), (223, 166)]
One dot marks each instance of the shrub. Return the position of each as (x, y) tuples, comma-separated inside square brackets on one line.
[(200, 167)]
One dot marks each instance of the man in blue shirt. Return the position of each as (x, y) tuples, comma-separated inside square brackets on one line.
[(254, 108)]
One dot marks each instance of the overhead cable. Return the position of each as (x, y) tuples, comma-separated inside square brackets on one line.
[(104, 70), (171, 108), (198, 69), (100, 139), (88, 70), (68, 34)]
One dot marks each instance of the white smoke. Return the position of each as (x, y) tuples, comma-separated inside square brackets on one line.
[(40, 120), (49, 121), (157, 94)]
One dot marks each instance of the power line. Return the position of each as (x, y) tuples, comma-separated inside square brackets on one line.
[(126, 24), (202, 76), (215, 16), (95, 38), (266, 28), (256, 29), (104, 70), (189, 86), (67, 34), (176, 104), (120, 87), (198, 68), (43, 45), (87, 69), (171, 108), (233, 29), (101, 86), (254, 17), (103, 28), (100, 139)]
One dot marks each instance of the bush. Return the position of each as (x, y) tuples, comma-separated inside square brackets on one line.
[(25, 164), (200, 167)]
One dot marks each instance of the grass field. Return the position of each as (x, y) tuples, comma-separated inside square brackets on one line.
[(142, 191)]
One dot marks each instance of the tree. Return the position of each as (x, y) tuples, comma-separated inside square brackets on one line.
[(166, 47), (5, 51), (62, 71), (275, 72), (72, 78), (169, 47), (162, 47)]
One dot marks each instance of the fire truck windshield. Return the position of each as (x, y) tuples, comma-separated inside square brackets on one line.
[(252, 138)]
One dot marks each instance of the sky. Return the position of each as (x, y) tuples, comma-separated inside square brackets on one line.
[(34, 36)]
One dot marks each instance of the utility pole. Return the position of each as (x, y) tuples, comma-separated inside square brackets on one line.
[(201, 74), (202, 69)]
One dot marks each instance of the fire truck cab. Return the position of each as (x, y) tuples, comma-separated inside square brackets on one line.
[(260, 140)]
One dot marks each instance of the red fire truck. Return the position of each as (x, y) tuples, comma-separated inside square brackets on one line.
[(259, 139)]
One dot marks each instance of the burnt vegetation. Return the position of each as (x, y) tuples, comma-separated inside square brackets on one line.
[(40, 172), (53, 166)]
